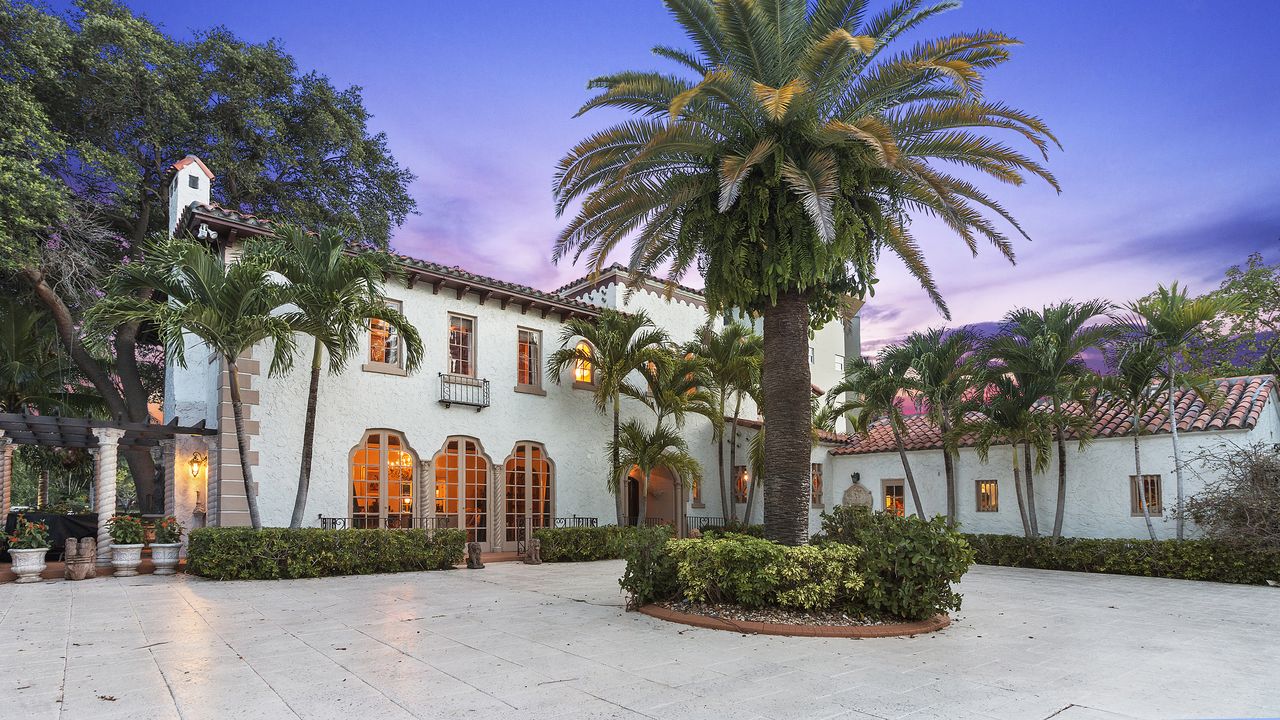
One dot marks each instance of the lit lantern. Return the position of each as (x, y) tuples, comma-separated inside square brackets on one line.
[(196, 461)]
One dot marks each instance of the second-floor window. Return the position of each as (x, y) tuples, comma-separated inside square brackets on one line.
[(583, 372), (741, 481), (462, 346), (384, 340), (815, 484), (529, 358)]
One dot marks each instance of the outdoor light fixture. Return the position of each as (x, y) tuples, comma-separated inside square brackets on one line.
[(196, 461)]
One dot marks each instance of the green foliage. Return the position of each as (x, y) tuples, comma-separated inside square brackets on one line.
[(1246, 339), (651, 573), (755, 573), (29, 535), (168, 530), (1211, 560), (126, 530), (734, 527), (283, 553), (908, 564), (583, 544)]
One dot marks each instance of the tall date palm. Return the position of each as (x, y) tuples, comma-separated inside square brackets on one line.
[(790, 149)]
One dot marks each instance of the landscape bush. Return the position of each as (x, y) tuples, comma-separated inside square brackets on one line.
[(735, 528), (908, 565), (281, 553), (584, 544), (651, 573), (1200, 559)]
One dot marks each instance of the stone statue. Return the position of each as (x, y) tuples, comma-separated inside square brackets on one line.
[(473, 556), (857, 495), (79, 558), (533, 552)]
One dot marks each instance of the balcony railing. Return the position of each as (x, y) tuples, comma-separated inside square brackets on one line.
[(576, 521), (435, 522), (463, 390), (702, 522)]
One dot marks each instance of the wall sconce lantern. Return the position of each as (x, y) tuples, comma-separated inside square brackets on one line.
[(196, 461)]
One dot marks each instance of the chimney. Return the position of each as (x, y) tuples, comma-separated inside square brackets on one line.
[(189, 183)]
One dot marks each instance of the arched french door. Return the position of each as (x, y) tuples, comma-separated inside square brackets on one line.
[(462, 487), (530, 485), (383, 473)]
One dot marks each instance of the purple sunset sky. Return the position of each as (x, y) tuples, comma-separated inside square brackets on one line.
[(1167, 112)]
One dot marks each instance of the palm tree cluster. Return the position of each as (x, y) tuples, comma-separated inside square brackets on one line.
[(1028, 387), (295, 282), (791, 147)]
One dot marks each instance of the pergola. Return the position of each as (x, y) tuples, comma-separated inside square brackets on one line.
[(103, 438)]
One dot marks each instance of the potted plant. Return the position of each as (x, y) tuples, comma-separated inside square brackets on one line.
[(165, 546), (28, 545), (126, 544)]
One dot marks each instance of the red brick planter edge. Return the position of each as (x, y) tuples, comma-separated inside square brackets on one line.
[(933, 624)]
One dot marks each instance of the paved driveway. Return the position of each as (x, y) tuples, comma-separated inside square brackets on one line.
[(514, 641)]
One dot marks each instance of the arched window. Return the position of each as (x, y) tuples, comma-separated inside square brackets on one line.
[(583, 371), (383, 469), (529, 479), (462, 487)]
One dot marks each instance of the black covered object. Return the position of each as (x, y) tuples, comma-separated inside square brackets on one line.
[(61, 527)]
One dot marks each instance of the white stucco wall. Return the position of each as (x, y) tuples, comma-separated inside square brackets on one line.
[(1097, 498)]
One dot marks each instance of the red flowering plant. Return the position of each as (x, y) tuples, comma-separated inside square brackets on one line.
[(29, 535), (126, 530), (168, 530)]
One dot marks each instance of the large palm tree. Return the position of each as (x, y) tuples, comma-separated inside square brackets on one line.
[(1048, 345), (229, 307), (941, 362), (337, 293), (732, 358), (783, 158), (646, 451), (1170, 319), (609, 349), (875, 390)]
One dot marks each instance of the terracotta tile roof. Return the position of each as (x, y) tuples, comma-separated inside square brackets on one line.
[(482, 282), (827, 438), (623, 269), (1241, 402), (187, 161)]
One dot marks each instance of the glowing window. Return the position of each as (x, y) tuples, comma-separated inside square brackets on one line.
[(741, 483), (815, 484), (988, 495), (529, 358), (1150, 492), (462, 488), (583, 371), (382, 473), (528, 479), (384, 340), (895, 497)]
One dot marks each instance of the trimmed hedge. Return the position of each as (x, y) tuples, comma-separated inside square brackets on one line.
[(583, 544), (281, 553), (908, 564), (734, 528), (1182, 560)]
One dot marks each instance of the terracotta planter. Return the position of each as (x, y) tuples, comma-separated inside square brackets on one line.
[(125, 559), (165, 557), (28, 563)]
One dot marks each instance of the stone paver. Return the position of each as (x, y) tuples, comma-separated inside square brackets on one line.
[(515, 641)]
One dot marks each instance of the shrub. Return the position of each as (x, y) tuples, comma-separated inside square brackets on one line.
[(1240, 503), (650, 574), (583, 544), (126, 530), (908, 564), (735, 528), (1184, 560), (281, 553), (29, 535), (755, 573)]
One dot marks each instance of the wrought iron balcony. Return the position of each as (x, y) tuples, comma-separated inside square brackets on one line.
[(463, 390), (702, 522), (577, 521)]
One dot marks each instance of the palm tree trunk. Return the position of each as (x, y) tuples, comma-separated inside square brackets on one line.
[(720, 456), (751, 501), (731, 510), (906, 469), (1062, 484), (308, 438), (1177, 456), (1031, 490), (1017, 488), (949, 470), (1142, 489), (242, 444), (615, 464), (643, 511), (786, 384)]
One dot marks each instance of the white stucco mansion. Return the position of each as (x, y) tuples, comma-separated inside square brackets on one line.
[(479, 439)]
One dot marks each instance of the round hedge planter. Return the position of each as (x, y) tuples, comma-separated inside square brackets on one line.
[(933, 624)]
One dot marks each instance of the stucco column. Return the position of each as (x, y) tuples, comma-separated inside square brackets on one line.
[(6, 476), (105, 488), (498, 511), (427, 482)]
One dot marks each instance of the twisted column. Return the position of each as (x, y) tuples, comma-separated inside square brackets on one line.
[(105, 488), (6, 475)]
